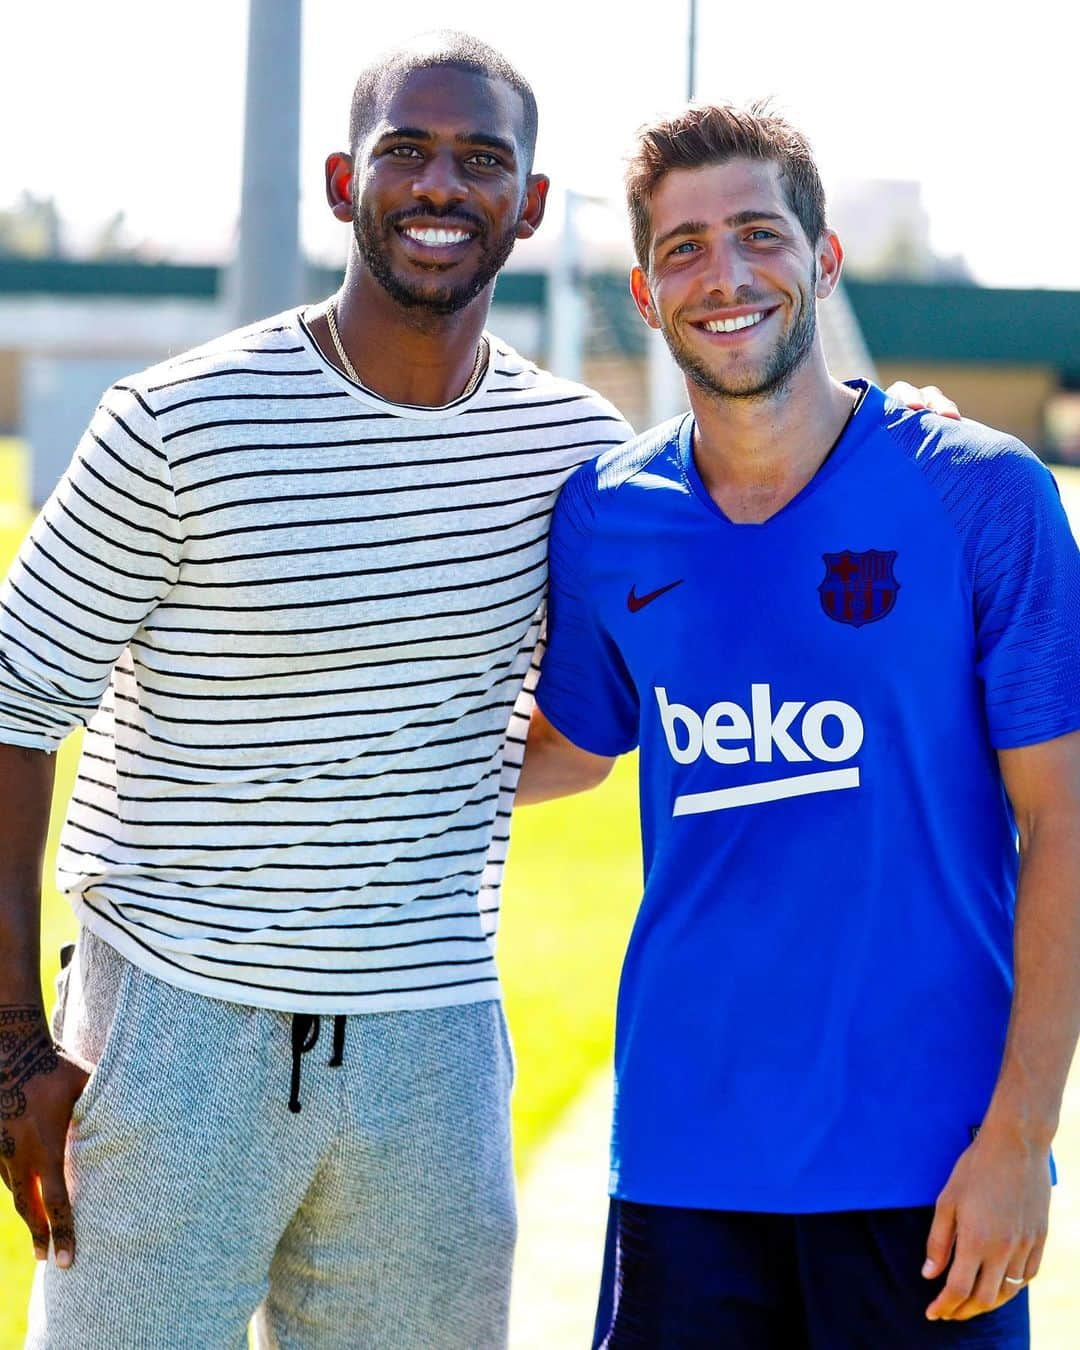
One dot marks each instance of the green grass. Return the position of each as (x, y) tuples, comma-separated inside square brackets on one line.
[(571, 889)]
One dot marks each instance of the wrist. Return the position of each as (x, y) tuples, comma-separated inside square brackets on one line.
[(1021, 1128)]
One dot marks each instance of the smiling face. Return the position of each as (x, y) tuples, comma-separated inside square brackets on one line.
[(440, 190), (732, 278)]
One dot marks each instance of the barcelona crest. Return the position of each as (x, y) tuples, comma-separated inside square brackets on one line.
[(859, 587)]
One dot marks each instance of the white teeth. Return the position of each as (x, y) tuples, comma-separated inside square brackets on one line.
[(733, 325), (435, 237)]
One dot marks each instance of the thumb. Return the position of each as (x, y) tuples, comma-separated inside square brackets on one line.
[(939, 1244)]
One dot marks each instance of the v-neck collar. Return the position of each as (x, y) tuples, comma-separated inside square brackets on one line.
[(860, 423)]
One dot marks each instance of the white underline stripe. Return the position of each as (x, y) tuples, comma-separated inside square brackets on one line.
[(802, 785)]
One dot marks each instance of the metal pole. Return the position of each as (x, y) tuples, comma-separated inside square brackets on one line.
[(566, 302), (267, 273), (691, 55)]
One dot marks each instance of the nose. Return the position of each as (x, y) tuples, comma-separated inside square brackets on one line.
[(439, 183), (729, 270)]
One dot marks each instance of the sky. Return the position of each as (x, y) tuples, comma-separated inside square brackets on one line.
[(137, 105)]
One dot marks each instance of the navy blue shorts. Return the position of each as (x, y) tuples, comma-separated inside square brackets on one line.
[(687, 1279)]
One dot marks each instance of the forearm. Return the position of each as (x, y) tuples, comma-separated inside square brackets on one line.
[(555, 767), (1045, 1017), (26, 783)]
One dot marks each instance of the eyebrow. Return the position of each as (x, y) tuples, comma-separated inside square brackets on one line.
[(702, 226), (483, 138)]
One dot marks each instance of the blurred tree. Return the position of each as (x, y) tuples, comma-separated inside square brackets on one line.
[(31, 228)]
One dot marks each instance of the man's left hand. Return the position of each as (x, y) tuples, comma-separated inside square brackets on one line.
[(929, 398), (992, 1219)]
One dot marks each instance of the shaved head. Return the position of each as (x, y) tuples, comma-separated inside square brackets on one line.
[(427, 52)]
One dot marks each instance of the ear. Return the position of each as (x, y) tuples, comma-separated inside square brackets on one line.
[(339, 170), (639, 289), (830, 261), (532, 212)]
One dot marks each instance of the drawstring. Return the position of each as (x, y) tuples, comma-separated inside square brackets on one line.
[(339, 1042), (305, 1032)]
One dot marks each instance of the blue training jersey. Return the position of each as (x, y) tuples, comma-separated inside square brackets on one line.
[(815, 996)]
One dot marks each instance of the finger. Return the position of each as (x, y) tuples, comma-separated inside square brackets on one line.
[(939, 1243), (1034, 1261), (987, 1290), (936, 402), (958, 1287), (58, 1208), (28, 1206), (1014, 1280), (902, 392)]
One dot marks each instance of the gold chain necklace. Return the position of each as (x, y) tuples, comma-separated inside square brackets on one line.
[(350, 369)]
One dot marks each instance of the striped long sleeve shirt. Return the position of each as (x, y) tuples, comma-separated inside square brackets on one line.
[(295, 620)]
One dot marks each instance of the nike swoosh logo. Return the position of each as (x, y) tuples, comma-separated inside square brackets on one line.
[(636, 602)]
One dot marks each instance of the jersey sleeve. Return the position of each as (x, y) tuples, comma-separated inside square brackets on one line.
[(1027, 607), (101, 555), (585, 690)]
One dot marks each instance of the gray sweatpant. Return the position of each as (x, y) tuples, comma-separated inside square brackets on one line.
[(382, 1215)]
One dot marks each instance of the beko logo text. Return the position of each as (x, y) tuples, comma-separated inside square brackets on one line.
[(829, 732)]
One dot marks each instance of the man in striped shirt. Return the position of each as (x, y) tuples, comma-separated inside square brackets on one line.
[(292, 584)]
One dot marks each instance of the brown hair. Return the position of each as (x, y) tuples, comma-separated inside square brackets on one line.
[(712, 134)]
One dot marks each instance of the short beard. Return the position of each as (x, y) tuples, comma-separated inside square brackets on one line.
[(790, 353), (432, 300)]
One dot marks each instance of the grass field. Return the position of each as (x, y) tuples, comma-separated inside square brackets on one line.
[(571, 888)]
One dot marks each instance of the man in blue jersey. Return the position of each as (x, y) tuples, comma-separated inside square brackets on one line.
[(846, 637)]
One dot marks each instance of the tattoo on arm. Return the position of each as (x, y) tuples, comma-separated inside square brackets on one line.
[(26, 1050), (7, 1144)]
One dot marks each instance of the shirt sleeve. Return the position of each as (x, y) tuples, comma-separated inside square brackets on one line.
[(1027, 607), (99, 558), (585, 690)]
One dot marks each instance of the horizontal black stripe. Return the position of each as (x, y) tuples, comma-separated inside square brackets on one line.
[(142, 847), (336, 739), (382, 468), (377, 668), (413, 593), (445, 940), (352, 416), (286, 396), (265, 372), (412, 882), (196, 356), (530, 597), (336, 908), (134, 775), (501, 671), (235, 823), (407, 437), (377, 867), (436, 487), (285, 988), (380, 685), (367, 570)]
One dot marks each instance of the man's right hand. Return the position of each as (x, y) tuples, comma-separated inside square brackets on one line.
[(39, 1085)]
